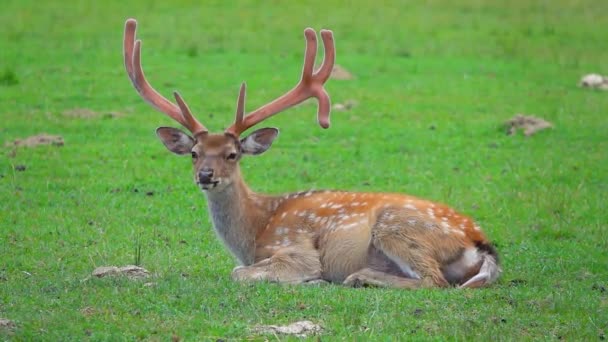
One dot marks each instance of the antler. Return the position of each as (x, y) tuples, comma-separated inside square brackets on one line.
[(132, 54), (310, 85)]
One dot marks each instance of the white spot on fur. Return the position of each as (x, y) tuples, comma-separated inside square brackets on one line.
[(476, 227), (430, 212), (347, 226), (470, 257), (458, 232), (446, 227), (283, 215), (410, 207)]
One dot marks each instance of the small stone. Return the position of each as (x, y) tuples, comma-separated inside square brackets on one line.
[(595, 81)]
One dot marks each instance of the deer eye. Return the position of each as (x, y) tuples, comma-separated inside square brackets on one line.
[(231, 156), (194, 155)]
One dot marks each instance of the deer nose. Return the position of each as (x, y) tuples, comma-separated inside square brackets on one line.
[(205, 175)]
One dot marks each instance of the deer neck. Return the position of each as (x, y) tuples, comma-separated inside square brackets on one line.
[(238, 216)]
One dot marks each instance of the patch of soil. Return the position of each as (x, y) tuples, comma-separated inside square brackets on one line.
[(7, 324), (529, 124), (88, 311), (339, 73), (595, 81), (85, 113), (346, 106), (80, 113), (37, 140), (298, 329), (131, 271)]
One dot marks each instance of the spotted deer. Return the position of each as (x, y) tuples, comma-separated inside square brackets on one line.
[(353, 238)]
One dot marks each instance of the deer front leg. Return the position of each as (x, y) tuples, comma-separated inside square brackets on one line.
[(290, 265)]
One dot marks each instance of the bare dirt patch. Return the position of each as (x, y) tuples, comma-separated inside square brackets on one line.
[(529, 124), (7, 324), (85, 113), (298, 329), (37, 140), (340, 73), (80, 113), (88, 311), (130, 271), (346, 105)]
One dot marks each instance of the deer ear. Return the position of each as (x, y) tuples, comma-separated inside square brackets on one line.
[(259, 141), (175, 140)]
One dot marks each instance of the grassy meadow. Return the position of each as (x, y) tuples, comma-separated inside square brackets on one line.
[(434, 81)]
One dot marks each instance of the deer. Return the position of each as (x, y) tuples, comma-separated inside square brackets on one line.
[(319, 236)]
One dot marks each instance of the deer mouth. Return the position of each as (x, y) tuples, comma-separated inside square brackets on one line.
[(208, 185)]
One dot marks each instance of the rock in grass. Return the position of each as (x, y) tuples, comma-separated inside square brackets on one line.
[(595, 81), (131, 271), (299, 329)]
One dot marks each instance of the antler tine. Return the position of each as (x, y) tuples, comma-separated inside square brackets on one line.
[(330, 56), (323, 74), (310, 85), (237, 128), (309, 55), (194, 126), (132, 58)]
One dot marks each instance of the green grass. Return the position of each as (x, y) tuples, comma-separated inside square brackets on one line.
[(463, 67)]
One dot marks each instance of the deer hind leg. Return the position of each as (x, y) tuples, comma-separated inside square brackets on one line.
[(488, 273), (407, 247), (291, 265), (371, 277)]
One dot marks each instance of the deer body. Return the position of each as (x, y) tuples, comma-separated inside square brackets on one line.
[(377, 239), (347, 232)]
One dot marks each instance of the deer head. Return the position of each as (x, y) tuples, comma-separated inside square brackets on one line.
[(215, 156)]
